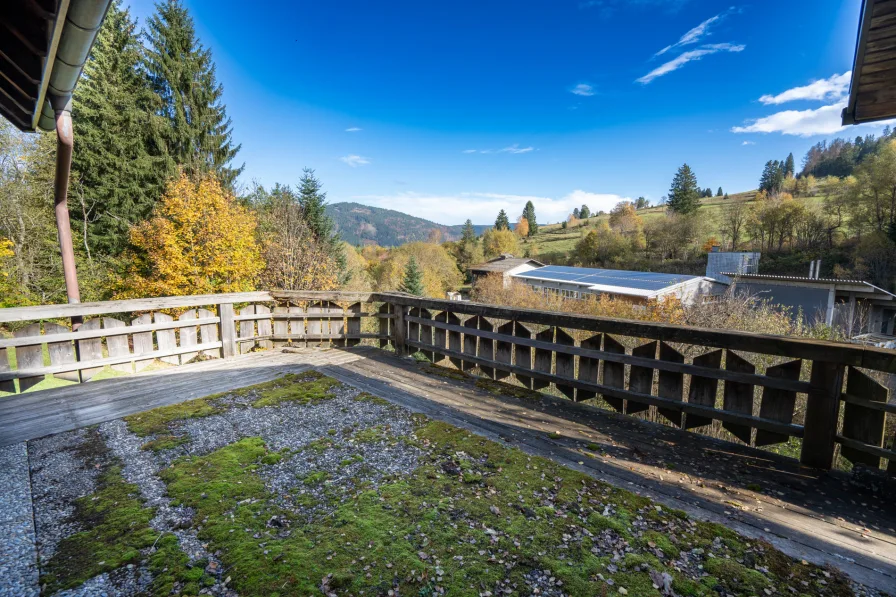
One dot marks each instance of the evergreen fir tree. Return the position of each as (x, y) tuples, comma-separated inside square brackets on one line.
[(413, 279), (529, 214), (575, 212), (182, 74), (467, 253), (502, 223), (789, 166), (584, 212), (118, 172), (313, 200), (468, 234), (772, 179), (719, 193), (684, 195)]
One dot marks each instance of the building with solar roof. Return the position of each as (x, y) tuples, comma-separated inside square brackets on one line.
[(582, 282)]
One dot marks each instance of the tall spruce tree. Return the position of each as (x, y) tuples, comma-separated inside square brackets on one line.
[(529, 214), (789, 166), (684, 195), (119, 171), (313, 200), (772, 179), (468, 251), (182, 74), (719, 193), (413, 279), (502, 222), (584, 212), (468, 234)]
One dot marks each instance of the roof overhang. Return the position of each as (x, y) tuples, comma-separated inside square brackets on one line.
[(859, 288), (872, 91), (43, 47)]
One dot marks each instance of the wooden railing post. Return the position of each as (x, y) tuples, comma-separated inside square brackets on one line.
[(228, 330), (399, 329), (822, 410)]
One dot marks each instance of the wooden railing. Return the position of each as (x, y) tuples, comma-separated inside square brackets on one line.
[(129, 335), (761, 390)]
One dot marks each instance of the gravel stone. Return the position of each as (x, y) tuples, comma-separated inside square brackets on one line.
[(59, 476), (18, 552), (123, 581), (18, 559)]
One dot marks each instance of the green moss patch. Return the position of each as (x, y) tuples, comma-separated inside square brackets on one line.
[(173, 574), (303, 388), (474, 516), (308, 387), (157, 421), (165, 442), (365, 397), (500, 388), (446, 372), (117, 528)]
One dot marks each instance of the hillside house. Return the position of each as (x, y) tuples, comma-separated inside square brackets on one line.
[(507, 265)]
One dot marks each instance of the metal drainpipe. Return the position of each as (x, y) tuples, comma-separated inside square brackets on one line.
[(64, 145)]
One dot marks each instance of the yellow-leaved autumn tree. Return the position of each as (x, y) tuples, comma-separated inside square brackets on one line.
[(498, 242), (199, 240)]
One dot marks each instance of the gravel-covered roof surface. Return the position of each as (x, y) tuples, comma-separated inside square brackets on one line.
[(306, 486)]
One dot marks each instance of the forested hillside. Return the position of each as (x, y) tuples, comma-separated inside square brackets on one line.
[(363, 225)]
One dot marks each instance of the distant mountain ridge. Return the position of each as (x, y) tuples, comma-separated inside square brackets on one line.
[(365, 225)]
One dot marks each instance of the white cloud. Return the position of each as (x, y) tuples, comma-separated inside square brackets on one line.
[(802, 123), (749, 143), (483, 207), (686, 57), (831, 89), (355, 160), (696, 34), (583, 89), (826, 120), (515, 148), (353, 129)]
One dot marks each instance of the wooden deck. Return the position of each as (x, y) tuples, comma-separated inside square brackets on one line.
[(817, 516)]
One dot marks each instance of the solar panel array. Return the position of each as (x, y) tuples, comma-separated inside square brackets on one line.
[(606, 277)]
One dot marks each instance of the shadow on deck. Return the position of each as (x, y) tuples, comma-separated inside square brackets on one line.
[(822, 517)]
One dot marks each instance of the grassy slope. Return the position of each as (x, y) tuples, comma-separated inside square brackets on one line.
[(555, 244)]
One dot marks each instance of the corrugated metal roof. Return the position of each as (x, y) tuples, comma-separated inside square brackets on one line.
[(809, 281), (795, 278)]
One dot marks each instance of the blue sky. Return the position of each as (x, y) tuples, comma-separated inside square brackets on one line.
[(450, 110)]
